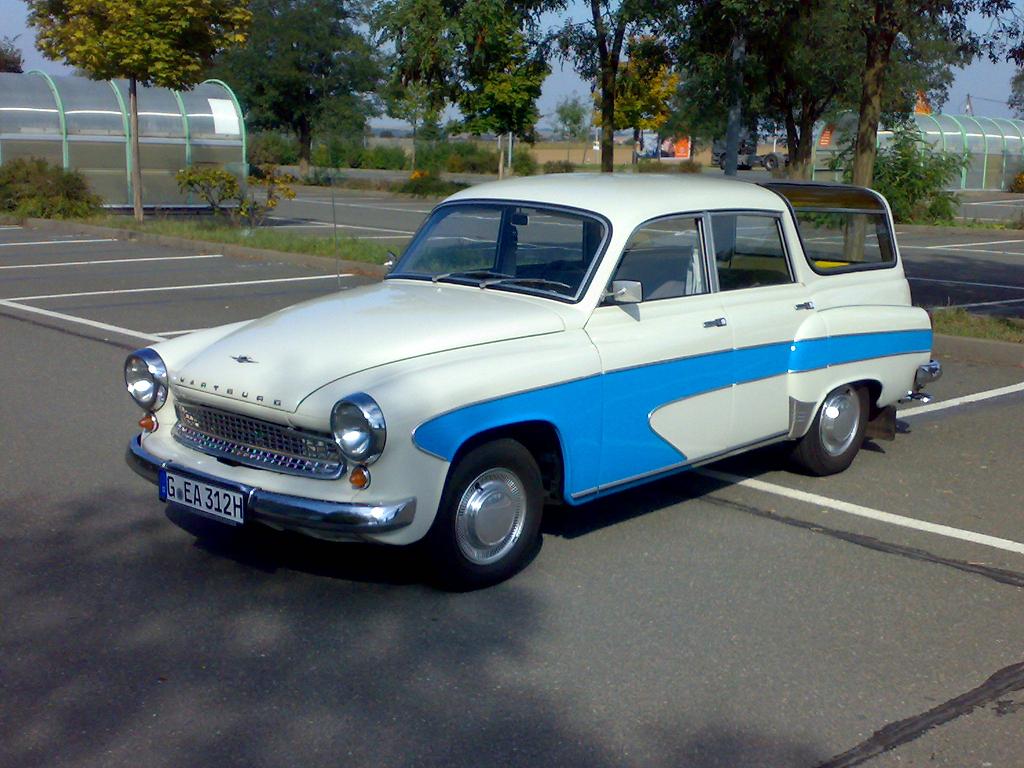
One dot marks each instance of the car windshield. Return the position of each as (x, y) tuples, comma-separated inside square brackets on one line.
[(505, 246)]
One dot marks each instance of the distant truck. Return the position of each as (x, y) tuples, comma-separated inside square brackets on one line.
[(748, 156)]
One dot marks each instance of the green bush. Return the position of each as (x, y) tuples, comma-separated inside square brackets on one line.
[(429, 184), (273, 149), (912, 177), (662, 166), (213, 185), (523, 163), (456, 157), (559, 166), (689, 166), (32, 187), (385, 158)]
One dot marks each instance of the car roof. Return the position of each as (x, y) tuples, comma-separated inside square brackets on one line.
[(629, 198)]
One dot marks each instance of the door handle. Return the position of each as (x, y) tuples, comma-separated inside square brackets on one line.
[(718, 322), (805, 305)]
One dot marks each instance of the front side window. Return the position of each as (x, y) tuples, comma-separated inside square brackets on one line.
[(505, 246), (665, 257), (749, 251)]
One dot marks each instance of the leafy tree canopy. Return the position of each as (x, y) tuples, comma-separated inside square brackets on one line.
[(10, 56), (168, 43), (305, 65)]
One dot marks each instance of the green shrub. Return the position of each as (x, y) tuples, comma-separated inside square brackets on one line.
[(213, 185), (32, 187), (689, 166), (273, 149), (662, 166), (387, 158), (429, 184), (318, 178), (523, 163), (559, 166), (912, 177), (456, 157)]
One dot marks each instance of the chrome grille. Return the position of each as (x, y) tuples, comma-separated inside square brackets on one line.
[(257, 443)]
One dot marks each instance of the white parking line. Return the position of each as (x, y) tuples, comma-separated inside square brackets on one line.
[(174, 287), (970, 245), (79, 320), (868, 512), (357, 205), (978, 304), (179, 333), (966, 282), (109, 261), (977, 397), (59, 242), (994, 202), (9, 226)]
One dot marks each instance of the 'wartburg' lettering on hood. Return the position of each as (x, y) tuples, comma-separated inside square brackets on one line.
[(291, 353)]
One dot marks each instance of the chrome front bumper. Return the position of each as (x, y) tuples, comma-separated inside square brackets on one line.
[(314, 516)]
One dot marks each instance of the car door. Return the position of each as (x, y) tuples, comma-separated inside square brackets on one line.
[(764, 307), (665, 358)]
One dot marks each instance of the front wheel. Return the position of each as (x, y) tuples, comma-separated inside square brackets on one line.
[(836, 434), (488, 522)]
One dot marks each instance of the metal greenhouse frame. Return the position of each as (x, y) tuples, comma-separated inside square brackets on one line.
[(994, 146), (83, 124)]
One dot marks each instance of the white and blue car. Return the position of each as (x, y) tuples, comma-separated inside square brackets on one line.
[(543, 340)]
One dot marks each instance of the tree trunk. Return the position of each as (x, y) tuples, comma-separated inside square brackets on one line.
[(607, 117), (501, 161), (800, 153), (415, 123), (732, 133), (305, 147), (133, 118), (877, 62), (636, 146)]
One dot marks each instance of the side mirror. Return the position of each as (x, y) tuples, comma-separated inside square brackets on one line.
[(626, 292), (390, 263)]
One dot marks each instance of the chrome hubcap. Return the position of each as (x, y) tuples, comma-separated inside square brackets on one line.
[(840, 417), (490, 516)]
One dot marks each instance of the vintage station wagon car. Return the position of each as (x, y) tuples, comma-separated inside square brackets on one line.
[(549, 339)]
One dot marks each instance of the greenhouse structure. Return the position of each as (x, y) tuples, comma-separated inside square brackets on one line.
[(83, 124), (994, 146)]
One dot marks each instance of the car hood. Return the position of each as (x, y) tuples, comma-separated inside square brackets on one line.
[(276, 361)]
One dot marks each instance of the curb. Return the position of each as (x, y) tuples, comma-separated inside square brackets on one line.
[(979, 350), (228, 249)]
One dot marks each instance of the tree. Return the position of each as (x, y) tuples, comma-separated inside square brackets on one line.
[(596, 49), (487, 57), (169, 43), (412, 104), (305, 65), (572, 121), (644, 87), (1016, 100), (886, 25), (10, 56)]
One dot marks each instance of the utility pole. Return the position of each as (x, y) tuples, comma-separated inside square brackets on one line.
[(738, 54)]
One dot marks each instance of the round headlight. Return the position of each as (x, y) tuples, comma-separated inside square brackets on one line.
[(145, 375), (358, 427)]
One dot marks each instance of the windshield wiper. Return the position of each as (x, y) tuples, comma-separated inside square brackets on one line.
[(482, 274), (538, 281)]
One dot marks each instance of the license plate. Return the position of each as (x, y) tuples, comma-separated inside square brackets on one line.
[(212, 500)]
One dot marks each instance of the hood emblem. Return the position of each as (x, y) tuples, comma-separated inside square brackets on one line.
[(243, 359)]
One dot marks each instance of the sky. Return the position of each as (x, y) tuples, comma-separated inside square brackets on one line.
[(987, 83)]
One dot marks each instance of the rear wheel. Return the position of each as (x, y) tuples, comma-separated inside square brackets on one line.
[(488, 522), (836, 434), (771, 162)]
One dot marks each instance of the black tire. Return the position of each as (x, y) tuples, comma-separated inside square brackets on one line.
[(835, 436), (721, 162), (469, 548), (771, 162)]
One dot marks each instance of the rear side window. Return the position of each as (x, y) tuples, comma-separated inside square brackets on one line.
[(749, 251), (836, 241), (843, 228)]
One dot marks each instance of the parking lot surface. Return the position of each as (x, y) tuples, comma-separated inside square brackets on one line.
[(739, 615)]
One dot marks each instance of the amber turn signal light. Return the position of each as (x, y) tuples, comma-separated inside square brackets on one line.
[(360, 477), (148, 422)]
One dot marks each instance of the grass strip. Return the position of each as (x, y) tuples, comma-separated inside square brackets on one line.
[(960, 322), (269, 238)]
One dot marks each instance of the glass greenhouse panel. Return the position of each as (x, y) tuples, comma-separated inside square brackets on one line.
[(27, 107)]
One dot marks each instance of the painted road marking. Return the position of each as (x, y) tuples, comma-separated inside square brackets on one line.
[(994, 202), (977, 397), (179, 333), (966, 282), (970, 245), (868, 512), (9, 226), (357, 205), (110, 261), (175, 287), (59, 242), (978, 304), (79, 320)]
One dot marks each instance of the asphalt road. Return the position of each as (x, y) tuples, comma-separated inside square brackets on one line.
[(744, 616), (982, 271)]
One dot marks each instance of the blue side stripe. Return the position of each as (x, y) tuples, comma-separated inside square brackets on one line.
[(577, 409)]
